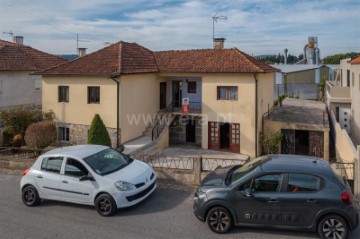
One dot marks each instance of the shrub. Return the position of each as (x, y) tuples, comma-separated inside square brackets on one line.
[(270, 142), (16, 121), (18, 140), (98, 133), (41, 134)]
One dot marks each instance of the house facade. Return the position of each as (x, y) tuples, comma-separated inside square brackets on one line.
[(18, 87), (215, 98)]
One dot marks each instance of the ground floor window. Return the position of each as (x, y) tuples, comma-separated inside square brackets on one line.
[(224, 136), (63, 134)]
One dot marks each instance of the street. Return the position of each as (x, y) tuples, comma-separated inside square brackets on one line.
[(166, 214)]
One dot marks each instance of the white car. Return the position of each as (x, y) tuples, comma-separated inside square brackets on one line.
[(88, 174)]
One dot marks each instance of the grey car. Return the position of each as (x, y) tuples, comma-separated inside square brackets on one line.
[(278, 191)]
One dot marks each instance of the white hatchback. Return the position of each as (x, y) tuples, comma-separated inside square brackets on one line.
[(88, 174)]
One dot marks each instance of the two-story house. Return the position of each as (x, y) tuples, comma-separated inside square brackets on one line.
[(130, 87)]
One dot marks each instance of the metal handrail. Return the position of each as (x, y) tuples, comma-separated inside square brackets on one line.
[(159, 121)]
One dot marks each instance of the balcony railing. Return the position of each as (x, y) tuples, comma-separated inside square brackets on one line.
[(338, 93), (194, 107)]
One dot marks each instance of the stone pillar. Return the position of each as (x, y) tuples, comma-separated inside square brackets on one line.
[(197, 170)]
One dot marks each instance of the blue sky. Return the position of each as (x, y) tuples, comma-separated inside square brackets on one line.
[(253, 26)]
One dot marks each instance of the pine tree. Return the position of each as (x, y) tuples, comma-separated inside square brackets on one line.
[(98, 133)]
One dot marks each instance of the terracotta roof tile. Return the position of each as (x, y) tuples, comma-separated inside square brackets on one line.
[(15, 57), (209, 61), (355, 61), (118, 58)]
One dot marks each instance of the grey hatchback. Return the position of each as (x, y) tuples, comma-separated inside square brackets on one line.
[(278, 191)]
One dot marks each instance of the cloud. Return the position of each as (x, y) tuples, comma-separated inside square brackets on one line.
[(256, 27)]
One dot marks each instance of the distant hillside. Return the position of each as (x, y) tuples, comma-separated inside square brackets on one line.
[(69, 56), (335, 59)]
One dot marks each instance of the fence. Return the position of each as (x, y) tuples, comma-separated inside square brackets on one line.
[(301, 91), (186, 170), (14, 152)]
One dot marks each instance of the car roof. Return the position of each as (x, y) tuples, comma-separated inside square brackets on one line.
[(294, 163), (80, 151)]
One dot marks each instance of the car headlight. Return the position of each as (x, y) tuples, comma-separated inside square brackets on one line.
[(124, 186)]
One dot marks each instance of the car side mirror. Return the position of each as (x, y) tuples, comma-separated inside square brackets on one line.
[(247, 192), (87, 177), (120, 148)]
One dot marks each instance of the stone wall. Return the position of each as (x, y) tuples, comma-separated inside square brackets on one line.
[(177, 129), (79, 133)]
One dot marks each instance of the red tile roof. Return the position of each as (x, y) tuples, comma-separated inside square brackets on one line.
[(15, 57), (355, 61), (118, 58), (209, 61)]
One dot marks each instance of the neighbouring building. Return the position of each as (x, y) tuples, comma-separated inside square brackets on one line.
[(131, 87), (18, 86), (304, 126)]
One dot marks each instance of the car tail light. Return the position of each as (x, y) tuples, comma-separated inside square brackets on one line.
[(346, 197), (25, 172)]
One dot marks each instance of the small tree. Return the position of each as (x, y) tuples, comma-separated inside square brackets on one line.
[(98, 133), (270, 142), (40, 135), (322, 88)]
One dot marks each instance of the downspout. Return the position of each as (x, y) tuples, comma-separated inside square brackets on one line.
[(256, 114), (116, 80)]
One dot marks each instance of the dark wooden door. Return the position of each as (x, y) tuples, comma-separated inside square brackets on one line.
[(316, 144), (288, 141), (235, 138), (190, 131), (162, 95), (213, 135)]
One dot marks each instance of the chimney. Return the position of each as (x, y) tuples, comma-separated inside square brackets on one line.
[(219, 43), (18, 40), (81, 51)]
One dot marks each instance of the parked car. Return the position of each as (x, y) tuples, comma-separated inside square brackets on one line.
[(278, 191), (88, 174)]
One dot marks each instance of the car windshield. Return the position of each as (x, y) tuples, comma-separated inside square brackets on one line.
[(248, 167), (107, 161)]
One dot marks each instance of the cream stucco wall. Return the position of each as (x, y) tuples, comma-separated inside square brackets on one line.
[(240, 111), (344, 66), (139, 102), (77, 110), (355, 103)]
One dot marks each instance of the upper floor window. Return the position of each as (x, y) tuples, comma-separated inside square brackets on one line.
[(191, 87), (93, 95), (227, 93), (63, 93)]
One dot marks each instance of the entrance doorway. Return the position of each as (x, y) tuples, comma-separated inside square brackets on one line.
[(190, 131), (162, 95), (301, 142), (177, 93), (224, 136)]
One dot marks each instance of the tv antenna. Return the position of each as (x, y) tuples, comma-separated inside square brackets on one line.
[(9, 33), (79, 40), (215, 19)]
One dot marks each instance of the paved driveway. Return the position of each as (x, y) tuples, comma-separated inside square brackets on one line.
[(166, 214)]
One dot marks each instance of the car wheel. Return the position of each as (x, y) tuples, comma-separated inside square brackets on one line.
[(219, 220), (105, 205), (333, 226), (30, 196)]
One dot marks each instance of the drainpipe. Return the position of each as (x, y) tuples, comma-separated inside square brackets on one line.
[(256, 114), (116, 80)]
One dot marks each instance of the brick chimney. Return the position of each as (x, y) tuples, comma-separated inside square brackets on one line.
[(219, 43), (18, 40)]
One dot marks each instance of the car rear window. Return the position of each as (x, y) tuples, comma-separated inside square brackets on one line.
[(52, 164)]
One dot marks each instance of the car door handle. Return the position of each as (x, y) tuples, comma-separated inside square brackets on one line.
[(39, 176), (273, 201), (64, 181), (312, 200)]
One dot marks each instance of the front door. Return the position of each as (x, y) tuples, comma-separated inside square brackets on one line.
[(224, 136), (162, 95), (190, 131), (177, 93), (263, 206)]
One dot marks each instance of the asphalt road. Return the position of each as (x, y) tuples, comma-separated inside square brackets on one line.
[(165, 214)]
